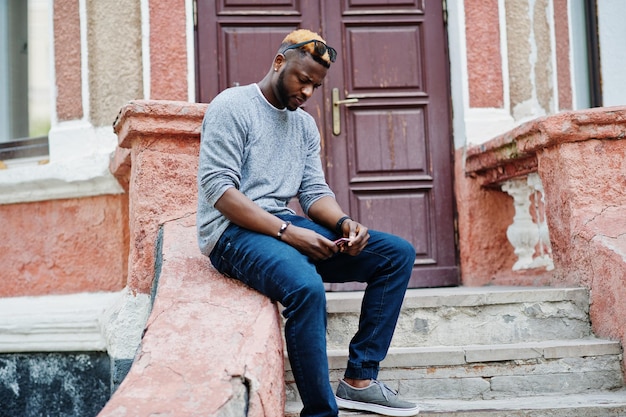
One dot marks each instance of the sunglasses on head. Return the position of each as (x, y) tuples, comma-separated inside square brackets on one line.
[(320, 48)]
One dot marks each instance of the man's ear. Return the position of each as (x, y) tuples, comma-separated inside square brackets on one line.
[(279, 60)]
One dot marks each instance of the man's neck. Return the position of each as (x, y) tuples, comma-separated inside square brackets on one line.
[(266, 89)]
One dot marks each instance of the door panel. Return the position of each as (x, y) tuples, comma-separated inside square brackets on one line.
[(249, 51), (391, 164), (378, 48), (407, 208), (391, 143), (236, 40), (393, 161)]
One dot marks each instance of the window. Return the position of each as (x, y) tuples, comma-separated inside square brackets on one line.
[(25, 99)]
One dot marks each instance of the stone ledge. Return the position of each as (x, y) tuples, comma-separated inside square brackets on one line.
[(109, 322), (55, 323), (514, 153), (592, 404), (152, 119), (211, 345), (157, 118)]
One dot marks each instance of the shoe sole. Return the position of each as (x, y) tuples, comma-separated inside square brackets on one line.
[(376, 408)]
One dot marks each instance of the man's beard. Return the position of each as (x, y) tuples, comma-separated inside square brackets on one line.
[(281, 91)]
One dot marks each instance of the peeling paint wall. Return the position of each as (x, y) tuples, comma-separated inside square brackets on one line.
[(530, 56)]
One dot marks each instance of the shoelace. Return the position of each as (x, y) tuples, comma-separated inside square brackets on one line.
[(385, 389)]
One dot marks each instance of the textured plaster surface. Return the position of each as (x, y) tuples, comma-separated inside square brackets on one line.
[(64, 246), (530, 57), (484, 59), (67, 60), (115, 57), (163, 138), (564, 77), (518, 51), (542, 58), (574, 197), (606, 235), (168, 51), (212, 346), (588, 226), (483, 216), (528, 139)]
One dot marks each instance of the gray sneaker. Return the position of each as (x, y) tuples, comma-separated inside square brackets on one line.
[(377, 397)]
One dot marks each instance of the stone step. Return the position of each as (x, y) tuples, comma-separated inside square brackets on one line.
[(594, 404), (597, 404), (493, 371), (488, 351), (471, 315), (469, 354)]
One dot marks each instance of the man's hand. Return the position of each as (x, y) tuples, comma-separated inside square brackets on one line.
[(358, 236), (318, 248), (310, 243)]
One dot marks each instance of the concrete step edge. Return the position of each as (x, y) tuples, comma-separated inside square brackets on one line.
[(595, 403), (568, 401), (346, 302), (462, 355)]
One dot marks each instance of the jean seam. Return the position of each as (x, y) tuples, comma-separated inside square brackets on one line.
[(379, 311)]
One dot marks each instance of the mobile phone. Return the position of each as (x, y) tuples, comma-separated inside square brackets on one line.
[(341, 241)]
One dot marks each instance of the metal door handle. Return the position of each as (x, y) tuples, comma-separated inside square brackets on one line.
[(336, 112)]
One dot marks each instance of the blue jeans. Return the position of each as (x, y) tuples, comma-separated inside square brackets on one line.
[(283, 274)]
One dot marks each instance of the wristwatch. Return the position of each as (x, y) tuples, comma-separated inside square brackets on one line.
[(338, 227)]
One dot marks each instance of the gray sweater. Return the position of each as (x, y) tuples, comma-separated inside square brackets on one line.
[(270, 155)]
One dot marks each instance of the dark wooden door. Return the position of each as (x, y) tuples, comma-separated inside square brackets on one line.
[(390, 161)]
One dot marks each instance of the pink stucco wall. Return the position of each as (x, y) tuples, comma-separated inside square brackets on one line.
[(67, 60), (561, 29), (168, 51), (484, 60), (64, 246), (483, 216)]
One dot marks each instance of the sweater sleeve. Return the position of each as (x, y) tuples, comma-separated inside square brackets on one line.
[(221, 150), (313, 186)]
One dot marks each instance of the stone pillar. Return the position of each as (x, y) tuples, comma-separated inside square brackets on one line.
[(158, 148)]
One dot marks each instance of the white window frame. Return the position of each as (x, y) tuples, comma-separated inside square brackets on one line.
[(80, 153)]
